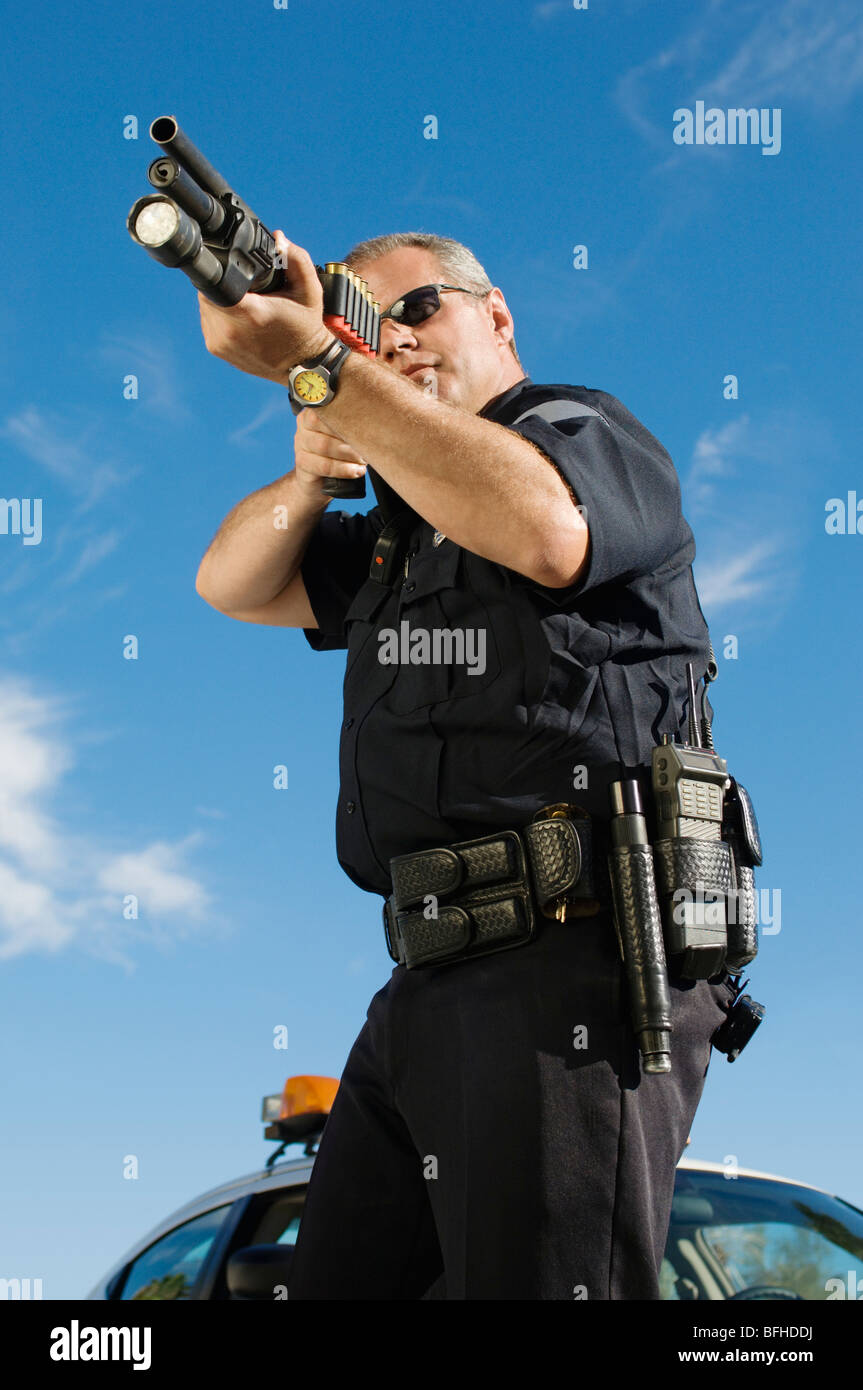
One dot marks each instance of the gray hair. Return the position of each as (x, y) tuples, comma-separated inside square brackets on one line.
[(457, 262)]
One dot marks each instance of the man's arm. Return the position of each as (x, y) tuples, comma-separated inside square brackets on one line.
[(251, 570), (487, 488)]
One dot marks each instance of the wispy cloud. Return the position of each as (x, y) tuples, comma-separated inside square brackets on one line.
[(738, 578), (421, 196), (155, 875), (801, 50), (37, 591), (151, 358), (548, 9), (279, 406), (719, 455), (61, 888), (746, 494), (96, 549), (794, 51), (51, 441)]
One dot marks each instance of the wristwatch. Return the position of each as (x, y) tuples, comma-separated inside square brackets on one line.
[(314, 383)]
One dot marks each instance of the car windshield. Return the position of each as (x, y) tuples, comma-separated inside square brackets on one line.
[(732, 1235)]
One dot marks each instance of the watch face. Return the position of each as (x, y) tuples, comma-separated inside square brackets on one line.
[(310, 386)]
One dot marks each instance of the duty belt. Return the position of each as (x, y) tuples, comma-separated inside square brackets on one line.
[(490, 894)]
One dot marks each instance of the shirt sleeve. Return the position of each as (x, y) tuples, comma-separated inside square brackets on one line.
[(335, 565), (622, 478)]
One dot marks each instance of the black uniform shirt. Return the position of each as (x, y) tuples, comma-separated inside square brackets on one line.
[(566, 685)]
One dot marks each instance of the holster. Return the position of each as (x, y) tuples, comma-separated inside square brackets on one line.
[(740, 830), (491, 894)]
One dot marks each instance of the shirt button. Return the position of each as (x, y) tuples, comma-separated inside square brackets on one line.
[(351, 807), (410, 586), (349, 722)]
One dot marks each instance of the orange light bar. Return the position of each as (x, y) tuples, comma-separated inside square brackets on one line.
[(308, 1094)]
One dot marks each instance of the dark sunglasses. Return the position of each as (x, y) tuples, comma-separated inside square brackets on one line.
[(418, 305)]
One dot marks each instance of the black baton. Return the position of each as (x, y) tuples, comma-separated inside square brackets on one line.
[(638, 924)]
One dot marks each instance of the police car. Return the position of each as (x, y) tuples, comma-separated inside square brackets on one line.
[(734, 1233)]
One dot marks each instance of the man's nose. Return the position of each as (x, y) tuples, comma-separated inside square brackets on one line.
[(395, 338)]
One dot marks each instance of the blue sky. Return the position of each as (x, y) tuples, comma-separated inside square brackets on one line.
[(154, 1037)]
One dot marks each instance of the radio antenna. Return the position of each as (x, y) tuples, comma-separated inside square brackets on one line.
[(694, 735)]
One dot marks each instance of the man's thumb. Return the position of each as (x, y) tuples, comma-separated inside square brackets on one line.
[(301, 278)]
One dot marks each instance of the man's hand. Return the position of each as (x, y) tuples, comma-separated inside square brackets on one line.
[(320, 453), (268, 334)]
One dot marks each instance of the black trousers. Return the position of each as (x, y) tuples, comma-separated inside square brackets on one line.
[(493, 1136)]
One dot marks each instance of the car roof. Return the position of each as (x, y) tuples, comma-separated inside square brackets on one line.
[(288, 1174), (700, 1166), (293, 1172)]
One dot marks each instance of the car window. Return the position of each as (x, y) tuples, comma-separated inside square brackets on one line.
[(731, 1235), (784, 1255), (278, 1222), (168, 1269)]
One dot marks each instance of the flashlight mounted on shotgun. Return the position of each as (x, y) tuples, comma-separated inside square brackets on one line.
[(196, 223)]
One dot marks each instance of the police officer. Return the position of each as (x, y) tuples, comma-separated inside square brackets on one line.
[(494, 1135)]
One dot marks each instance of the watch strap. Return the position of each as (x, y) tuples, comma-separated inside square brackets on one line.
[(324, 358), (334, 359), (329, 361)]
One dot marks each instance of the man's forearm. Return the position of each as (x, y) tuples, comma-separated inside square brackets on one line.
[(260, 545), (485, 487)]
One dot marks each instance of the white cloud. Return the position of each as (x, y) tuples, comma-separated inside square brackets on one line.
[(30, 917), (736, 578), (721, 454), (747, 494), (33, 761), (61, 887), (154, 875)]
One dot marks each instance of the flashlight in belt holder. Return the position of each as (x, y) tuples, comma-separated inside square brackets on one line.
[(638, 924)]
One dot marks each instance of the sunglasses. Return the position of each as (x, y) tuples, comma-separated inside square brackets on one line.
[(418, 305)]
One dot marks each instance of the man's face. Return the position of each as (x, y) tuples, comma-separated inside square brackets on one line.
[(461, 354)]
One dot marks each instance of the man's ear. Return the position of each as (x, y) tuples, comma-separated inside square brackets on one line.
[(501, 318)]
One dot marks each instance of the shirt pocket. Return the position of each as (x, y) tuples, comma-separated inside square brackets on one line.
[(564, 697), (362, 620), (443, 636)]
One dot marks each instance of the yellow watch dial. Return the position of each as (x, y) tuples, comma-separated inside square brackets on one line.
[(310, 386)]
